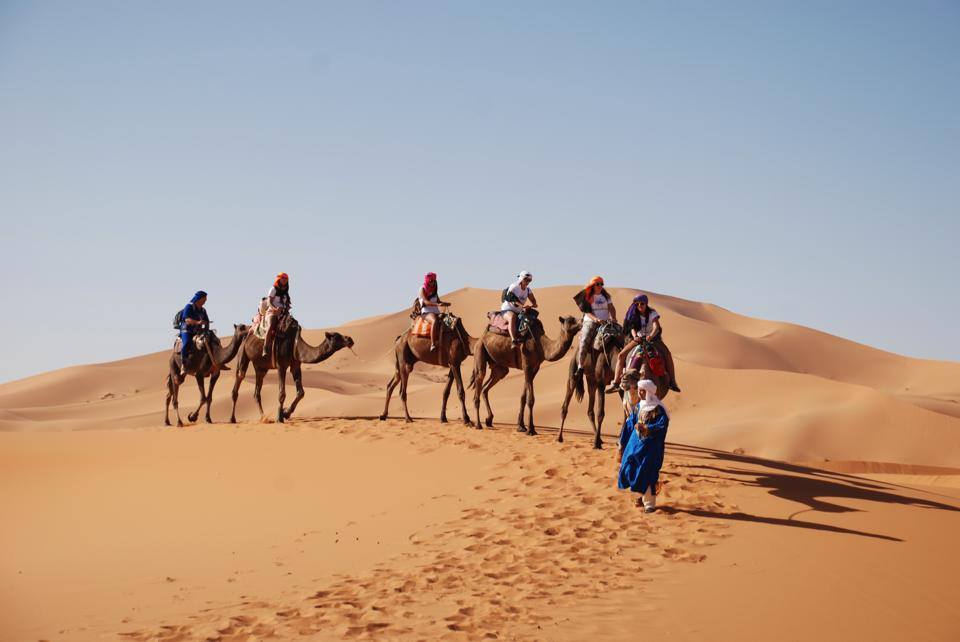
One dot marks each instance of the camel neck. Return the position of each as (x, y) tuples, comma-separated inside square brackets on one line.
[(554, 349), (307, 353), (223, 355)]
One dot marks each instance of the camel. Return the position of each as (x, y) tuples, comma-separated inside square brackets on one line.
[(200, 366), (598, 371), (289, 352), (499, 352), (454, 347)]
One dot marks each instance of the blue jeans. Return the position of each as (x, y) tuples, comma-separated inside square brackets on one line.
[(186, 338)]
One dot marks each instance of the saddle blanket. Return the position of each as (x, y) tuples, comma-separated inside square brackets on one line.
[(498, 323), (421, 327), (261, 322), (199, 343)]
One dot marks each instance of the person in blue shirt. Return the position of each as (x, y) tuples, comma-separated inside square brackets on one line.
[(642, 443), (193, 320)]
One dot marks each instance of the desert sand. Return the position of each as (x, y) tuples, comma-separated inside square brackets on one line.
[(812, 491)]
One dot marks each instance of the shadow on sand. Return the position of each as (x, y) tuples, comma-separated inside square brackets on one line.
[(804, 485)]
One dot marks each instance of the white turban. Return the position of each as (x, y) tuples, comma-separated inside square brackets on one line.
[(652, 401)]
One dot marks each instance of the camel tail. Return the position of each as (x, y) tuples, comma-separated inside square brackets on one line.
[(578, 387)]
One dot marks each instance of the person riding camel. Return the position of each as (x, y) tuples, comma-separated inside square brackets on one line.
[(430, 305), (597, 307), (515, 299), (644, 324), (193, 319), (277, 305)]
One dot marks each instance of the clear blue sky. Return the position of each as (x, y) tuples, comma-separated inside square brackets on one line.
[(790, 160)]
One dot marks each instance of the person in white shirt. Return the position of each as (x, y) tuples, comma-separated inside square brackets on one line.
[(277, 305), (515, 299), (597, 307), (430, 305), (644, 324)]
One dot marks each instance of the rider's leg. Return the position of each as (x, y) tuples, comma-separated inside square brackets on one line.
[(434, 329), (586, 336), (271, 332), (668, 363), (621, 364), (512, 319), (185, 339)]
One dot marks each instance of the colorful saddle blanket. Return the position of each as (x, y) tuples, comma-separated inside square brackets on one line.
[(421, 326)]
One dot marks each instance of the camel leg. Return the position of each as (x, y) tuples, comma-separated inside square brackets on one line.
[(214, 376), (461, 393), (479, 374), (601, 412), (258, 386), (297, 375), (192, 417), (241, 373), (530, 374), (166, 408), (566, 404), (446, 395), (176, 402), (404, 379), (521, 427), (497, 372), (591, 400), (282, 381), (394, 380)]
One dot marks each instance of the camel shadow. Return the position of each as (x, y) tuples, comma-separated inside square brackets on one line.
[(810, 487)]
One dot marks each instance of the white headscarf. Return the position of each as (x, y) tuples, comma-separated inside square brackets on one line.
[(652, 401)]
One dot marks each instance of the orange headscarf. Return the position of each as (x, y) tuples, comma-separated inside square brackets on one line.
[(281, 276), (593, 287)]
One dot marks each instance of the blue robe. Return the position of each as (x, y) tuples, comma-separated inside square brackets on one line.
[(642, 457)]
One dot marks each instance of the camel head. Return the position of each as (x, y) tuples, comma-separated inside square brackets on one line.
[(569, 326), (339, 341), (240, 329)]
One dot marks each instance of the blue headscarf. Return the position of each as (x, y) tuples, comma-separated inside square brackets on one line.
[(199, 295), (633, 311)]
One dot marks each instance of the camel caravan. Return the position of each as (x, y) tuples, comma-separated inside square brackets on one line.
[(609, 357)]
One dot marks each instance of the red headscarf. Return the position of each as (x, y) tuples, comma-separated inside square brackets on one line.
[(280, 277), (430, 283)]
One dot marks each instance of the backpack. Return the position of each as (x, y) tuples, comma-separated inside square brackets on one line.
[(178, 319)]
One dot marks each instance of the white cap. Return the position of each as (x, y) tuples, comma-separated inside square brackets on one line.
[(525, 275)]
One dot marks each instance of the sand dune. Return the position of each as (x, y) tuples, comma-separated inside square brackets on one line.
[(341, 529), (339, 526), (772, 389)]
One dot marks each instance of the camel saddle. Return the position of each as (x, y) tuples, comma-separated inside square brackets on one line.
[(422, 327), (259, 327), (198, 344), (647, 351), (500, 325), (604, 331)]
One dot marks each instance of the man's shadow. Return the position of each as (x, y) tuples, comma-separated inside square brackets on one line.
[(802, 484)]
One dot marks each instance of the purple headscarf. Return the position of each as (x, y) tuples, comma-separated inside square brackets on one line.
[(633, 311)]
